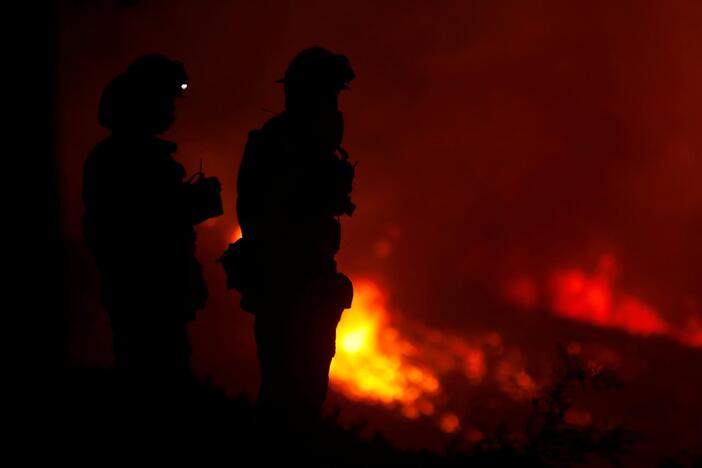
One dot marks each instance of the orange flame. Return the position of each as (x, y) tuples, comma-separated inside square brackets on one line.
[(578, 296), (384, 359), (373, 362), (449, 423), (377, 363), (592, 298), (236, 235)]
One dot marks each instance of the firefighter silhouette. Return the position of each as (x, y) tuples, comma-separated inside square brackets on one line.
[(139, 218), (294, 184)]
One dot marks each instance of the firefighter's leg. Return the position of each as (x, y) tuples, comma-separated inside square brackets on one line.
[(273, 349)]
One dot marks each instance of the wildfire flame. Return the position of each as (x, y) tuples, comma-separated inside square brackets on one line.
[(385, 359), (578, 296), (236, 235), (373, 362), (382, 359), (592, 298)]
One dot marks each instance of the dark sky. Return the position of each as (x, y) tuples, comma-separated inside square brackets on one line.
[(494, 140)]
